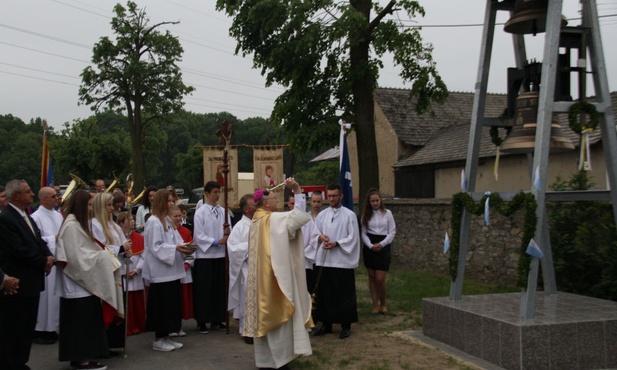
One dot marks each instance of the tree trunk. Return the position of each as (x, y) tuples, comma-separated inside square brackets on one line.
[(137, 142), (363, 84)]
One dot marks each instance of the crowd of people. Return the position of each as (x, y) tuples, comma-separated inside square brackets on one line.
[(86, 273)]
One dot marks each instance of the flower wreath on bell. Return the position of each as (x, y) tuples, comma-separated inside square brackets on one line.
[(575, 111), (583, 129)]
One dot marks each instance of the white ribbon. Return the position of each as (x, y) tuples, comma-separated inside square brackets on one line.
[(446, 244), (463, 181), (496, 166), (584, 161), (487, 207)]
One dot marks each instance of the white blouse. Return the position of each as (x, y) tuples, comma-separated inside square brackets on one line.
[(381, 223)]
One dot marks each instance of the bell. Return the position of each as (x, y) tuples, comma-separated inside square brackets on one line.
[(529, 17), (522, 138)]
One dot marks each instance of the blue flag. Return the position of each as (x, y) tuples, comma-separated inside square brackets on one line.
[(345, 173), (50, 174), (534, 250)]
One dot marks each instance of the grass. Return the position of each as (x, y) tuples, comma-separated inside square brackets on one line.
[(404, 297), (404, 300), (407, 288)]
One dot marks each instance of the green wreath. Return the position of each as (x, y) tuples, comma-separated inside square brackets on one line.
[(495, 135), (575, 111), (463, 201)]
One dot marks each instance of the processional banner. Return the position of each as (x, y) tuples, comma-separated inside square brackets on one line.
[(268, 170), (213, 171)]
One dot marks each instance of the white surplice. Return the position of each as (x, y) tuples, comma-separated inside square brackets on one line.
[(238, 248), (49, 222)]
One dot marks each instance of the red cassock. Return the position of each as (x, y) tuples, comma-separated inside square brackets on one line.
[(136, 318), (187, 288)]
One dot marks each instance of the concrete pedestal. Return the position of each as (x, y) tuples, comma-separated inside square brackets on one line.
[(569, 331)]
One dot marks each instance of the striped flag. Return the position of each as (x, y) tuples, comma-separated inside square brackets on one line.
[(345, 168), (47, 177)]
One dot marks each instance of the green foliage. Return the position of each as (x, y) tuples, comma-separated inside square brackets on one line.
[(584, 243), (323, 173), (91, 148), (463, 201), (337, 53), (137, 74), (20, 149), (191, 170), (100, 147)]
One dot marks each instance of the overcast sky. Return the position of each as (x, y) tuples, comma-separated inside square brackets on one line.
[(45, 44)]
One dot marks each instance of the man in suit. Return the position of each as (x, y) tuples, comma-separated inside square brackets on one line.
[(8, 284), (25, 256)]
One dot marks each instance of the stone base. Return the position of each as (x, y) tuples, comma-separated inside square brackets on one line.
[(568, 332)]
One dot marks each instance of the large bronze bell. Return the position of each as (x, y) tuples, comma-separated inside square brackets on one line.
[(529, 17), (522, 138)]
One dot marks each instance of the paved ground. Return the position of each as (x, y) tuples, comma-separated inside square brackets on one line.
[(216, 350)]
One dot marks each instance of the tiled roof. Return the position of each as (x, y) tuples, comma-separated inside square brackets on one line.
[(444, 137), (416, 130)]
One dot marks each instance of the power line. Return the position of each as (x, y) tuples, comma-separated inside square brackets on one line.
[(64, 41), (222, 103), (39, 70), (227, 79), (471, 24), (233, 92), (38, 78), (82, 9), (219, 108), (44, 52)]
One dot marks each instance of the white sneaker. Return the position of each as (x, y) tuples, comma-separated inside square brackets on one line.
[(180, 333), (174, 344), (162, 345)]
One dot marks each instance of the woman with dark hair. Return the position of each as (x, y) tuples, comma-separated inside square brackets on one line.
[(89, 286), (174, 193), (119, 202), (378, 231), (144, 209), (164, 253)]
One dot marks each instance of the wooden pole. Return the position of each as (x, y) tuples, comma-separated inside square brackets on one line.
[(224, 133)]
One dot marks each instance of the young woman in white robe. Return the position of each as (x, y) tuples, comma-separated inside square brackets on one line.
[(88, 282), (164, 253), (106, 231)]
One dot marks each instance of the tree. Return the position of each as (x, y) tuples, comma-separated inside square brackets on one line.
[(584, 242), (327, 55), (20, 149), (136, 74), (91, 149)]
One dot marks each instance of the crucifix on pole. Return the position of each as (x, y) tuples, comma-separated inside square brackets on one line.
[(224, 133)]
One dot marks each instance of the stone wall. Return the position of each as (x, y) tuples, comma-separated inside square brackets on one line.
[(421, 225)]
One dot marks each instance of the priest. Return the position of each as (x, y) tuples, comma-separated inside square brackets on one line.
[(49, 221), (278, 306), (237, 248)]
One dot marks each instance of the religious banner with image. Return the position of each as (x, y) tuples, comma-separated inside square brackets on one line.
[(268, 170), (213, 171)]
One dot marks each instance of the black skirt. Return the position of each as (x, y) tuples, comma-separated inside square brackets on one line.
[(376, 260), (336, 296), (209, 304), (164, 311), (82, 332)]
